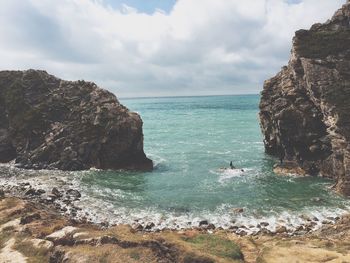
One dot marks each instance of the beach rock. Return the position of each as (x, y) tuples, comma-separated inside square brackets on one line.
[(74, 193), (238, 210), (29, 218), (203, 223), (149, 226), (46, 122), (31, 191), (211, 227), (264, 224), (305, 108), (281, 230), (56, 192), (138, 227)]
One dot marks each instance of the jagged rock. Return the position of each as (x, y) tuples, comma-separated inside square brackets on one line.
[(74, 193), (29, 218), (305, 108), (49, 123), (203, 223), (56, 192)]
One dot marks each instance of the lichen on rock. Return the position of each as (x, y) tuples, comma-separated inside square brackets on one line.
[(49, 123), (305, 108)]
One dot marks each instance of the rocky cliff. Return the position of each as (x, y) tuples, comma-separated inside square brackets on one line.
[(305, 108), (49, 123)]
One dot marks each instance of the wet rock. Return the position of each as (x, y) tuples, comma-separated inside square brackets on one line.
[(56, 192), (238, 210), (74, 193), (203, 223), (40, 191), (242, 233), (299, 228), (211, 227), (138, 227), (31, 191), (281, 229), (30, 218), (306, 218), (149, 226), (264, 224)]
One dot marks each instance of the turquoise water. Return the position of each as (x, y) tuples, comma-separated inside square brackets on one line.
[(190, 140)]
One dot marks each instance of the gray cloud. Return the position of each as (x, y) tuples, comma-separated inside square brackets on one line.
[(200, 47)]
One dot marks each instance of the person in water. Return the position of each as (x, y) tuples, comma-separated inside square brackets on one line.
[(233, 167)]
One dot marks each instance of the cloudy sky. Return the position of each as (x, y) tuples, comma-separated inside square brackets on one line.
[(157, 47)]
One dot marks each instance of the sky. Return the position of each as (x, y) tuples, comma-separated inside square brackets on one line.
[(147, 48)]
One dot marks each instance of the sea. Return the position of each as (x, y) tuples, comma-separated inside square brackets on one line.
[(192, 141)]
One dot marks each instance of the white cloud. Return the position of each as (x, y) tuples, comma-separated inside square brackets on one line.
[(200, 47)]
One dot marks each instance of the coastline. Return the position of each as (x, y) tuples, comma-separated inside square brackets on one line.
[(36, 232), (68, 199)]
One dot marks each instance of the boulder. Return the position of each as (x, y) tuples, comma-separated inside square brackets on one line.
[(49, 123), (305, 108)]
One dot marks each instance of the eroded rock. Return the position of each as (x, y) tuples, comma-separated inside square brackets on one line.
[(305, 108), (49, 123)]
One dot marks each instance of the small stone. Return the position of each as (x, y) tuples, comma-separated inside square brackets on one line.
[(203, 223), (29, 218), (211, 227), (264, 224), (40, 192), (281, 229), (242, 233), (74, 193), (299, 228), (30, 191), (238, 210), (56, 192), (138, 227), (149, 226)]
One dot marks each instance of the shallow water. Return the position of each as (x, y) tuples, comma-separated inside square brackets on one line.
[(191, 140)]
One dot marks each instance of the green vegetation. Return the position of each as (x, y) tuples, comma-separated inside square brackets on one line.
[(216, 245)]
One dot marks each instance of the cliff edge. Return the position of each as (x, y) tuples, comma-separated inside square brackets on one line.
[(49, 123), (305, 108)]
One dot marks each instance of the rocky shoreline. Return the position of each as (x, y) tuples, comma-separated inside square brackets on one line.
[(64, 198), (32, 229)]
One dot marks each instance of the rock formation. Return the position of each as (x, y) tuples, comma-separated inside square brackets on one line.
[(49, 123), (305, 108)]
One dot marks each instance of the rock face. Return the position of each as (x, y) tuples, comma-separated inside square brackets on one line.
[(305, 108), (46, 122)]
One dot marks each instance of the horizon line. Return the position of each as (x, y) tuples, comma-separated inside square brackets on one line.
[(188, 96)]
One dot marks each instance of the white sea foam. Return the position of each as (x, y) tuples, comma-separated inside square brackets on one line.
[(99, 205)]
